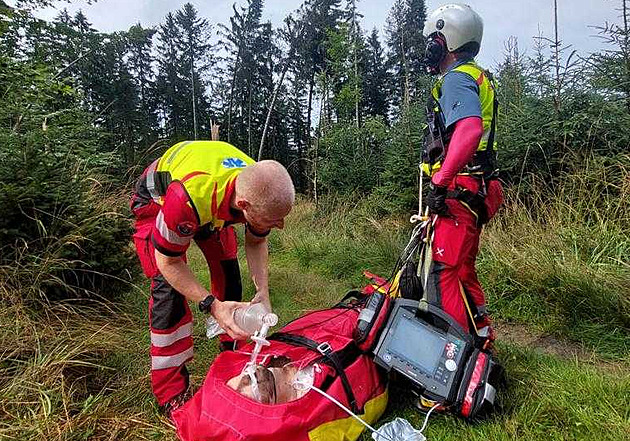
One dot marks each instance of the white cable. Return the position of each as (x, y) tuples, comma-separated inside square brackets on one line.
[(309, 386), (426, 418)]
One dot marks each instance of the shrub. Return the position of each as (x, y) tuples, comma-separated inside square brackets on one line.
[(59, 232)]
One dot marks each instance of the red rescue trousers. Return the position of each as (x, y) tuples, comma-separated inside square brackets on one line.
[(170, 318), (452, 274)]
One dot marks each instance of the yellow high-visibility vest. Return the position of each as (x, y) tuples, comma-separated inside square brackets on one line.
[(487, 90), (205, 169)]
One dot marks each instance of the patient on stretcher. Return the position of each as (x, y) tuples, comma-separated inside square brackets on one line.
[(278, 382)]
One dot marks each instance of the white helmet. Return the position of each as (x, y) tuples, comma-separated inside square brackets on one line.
[(457, 23)]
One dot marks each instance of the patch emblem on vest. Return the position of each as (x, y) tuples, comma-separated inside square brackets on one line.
[(233, 163), (185, 228)]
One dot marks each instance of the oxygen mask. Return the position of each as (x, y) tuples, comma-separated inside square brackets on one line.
[(257, 317)]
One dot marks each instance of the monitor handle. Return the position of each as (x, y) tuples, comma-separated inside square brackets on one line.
[(426, 308)]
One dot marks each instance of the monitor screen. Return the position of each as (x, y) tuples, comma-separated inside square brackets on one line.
[(416, 343)]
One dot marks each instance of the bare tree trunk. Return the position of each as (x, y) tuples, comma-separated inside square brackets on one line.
[(285, 68), (556, 48), (310, 108), (356, 68), (626, 49), (192, 84), (319, 134), (270, 110), (328, 119), (214, 131), (249, 120), (406, 93), (232, 86), (315, 171)]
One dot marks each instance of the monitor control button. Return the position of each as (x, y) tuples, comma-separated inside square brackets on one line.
[(451, 365)]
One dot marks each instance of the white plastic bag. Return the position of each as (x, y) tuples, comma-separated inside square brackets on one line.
[(212, 327)]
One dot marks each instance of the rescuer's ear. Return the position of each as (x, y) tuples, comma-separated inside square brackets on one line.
[(243, 204)]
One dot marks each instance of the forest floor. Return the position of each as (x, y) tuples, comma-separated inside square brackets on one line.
[(85, 375)]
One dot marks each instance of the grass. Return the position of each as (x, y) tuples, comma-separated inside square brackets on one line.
[(79, 371), (560, 260)]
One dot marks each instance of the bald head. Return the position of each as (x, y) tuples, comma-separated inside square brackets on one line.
[(267, 187)]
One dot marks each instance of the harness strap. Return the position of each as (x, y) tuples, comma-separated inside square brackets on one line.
[(339, 360), (474, 201), (162, 180)]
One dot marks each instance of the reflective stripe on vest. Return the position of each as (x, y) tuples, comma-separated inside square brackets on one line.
[(205, 169)]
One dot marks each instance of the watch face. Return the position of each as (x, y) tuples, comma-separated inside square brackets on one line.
[(205, 304)]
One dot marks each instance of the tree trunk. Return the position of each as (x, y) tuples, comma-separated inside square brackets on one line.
[(626, 50), (285, 68), (309, 108), (355, 62), (192, 84), (232, 87), (556, 47), (270, 110), (249, 120), (406, 92)]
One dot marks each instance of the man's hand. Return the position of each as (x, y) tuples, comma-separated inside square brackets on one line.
[(223, 312), (263, 297), (436, 200)]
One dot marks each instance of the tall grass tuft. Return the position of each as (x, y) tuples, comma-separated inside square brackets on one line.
[(73, 256), (560, 258), (61, 338), (69, 372)]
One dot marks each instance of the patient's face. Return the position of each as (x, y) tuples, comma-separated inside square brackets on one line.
[(242, 383), (274, 384)]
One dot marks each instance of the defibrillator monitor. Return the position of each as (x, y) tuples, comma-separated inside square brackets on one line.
[(431, 357)]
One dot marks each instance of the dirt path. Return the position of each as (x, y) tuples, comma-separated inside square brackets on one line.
[(548, 344)]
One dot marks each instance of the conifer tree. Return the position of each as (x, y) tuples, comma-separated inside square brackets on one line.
[(195, 63), (406, 51), (251, 60), (375, 82), (169, 84), (140, 61)]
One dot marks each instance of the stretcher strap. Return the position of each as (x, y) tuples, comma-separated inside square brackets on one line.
[(338, 360)]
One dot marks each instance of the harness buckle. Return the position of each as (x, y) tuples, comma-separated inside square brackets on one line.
[(324, 348)]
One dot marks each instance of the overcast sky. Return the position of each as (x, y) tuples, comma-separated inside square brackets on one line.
[(502, 18)]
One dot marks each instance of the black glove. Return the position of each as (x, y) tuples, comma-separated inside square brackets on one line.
[(436, 200)]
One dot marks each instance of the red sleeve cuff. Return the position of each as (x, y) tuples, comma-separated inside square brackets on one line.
[(166, 251)]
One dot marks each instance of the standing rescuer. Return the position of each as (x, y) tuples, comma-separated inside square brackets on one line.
[(460, 157), (195, 192)]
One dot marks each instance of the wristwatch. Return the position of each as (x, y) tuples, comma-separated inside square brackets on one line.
[(205, 304)]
